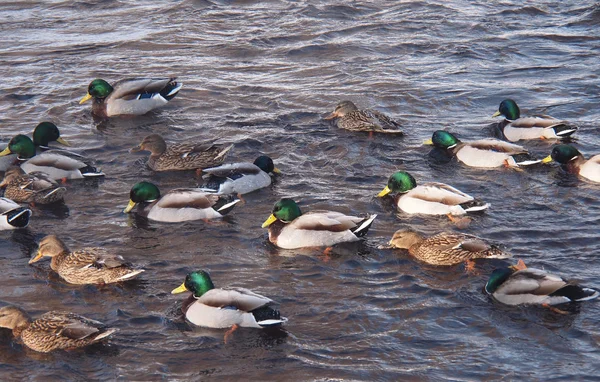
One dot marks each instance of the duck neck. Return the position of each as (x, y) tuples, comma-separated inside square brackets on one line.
[(58, 260), (21, 326)]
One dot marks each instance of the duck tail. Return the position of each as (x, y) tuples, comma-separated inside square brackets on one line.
[(19, 217), (564, 130), (56, 193), (105, 333), (267, 316), (496, 253), (223, 152), (475, 205), (90, 171), (225, 204), (362, 228), (131, 274), (171, 89), (576, 293), (525, 159)]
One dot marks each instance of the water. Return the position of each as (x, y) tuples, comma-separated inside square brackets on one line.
[(262, 74)]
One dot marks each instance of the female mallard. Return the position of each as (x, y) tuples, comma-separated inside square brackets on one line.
[(135, 96), (12, 215), (178, 205), (485, 153), (224, 308), (446, 248), (516, 127), (56, 165), (351, 118), (36, 187), (85, 266), (53, 330), (575, 162), (290, 229), (241, 178), (181, 156), (429, 198), (47, 132), (516, 285)]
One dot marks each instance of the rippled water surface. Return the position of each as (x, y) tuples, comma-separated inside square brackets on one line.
[(262, 74)]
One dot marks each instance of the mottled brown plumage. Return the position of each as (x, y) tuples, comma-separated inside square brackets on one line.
[(53, 330), (85, 266), (35, 187), (181, 156), (446, 248), (349, 117)]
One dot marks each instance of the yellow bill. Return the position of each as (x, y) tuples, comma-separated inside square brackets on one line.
[(129, 206), (270, 220), (428, 142), (36, 258), (276, 170), (496, 114), (179, 289), (384, 192), (4, 152), (547, 159), (62, 141), (85, 98)]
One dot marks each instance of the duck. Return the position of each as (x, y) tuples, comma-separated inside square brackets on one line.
[(36, 187), (181, 156), (516, 128), (53, 330), (56, 165), (290, 229), (483, 153), (240, 178), (350, 117), (178, 205), (132, 96), (574, 162), (519, 284), (429, 198), (45, 133), (445, 248), (84, 266), (217, 308), (12, 215)]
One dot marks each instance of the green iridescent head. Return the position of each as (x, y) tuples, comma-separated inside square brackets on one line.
[(497, 278), (99, 88), (265, 163), (47, 132), (285, 210), (198, 283), (509, 109), (399, 182), (564, 153), (444, 140), (21, 145), (142, 192)]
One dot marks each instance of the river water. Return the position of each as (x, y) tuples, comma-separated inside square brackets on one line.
[(261, 75)]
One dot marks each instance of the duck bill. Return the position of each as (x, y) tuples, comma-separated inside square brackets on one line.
[(547, 159), (179, 289), (5, 152), (270, 220), (496, 114), (85, 98), (384, 192), (331, 116), (62, 141), (36, 258), (129, 206), (136, 149), (428, 142), (276, 171)]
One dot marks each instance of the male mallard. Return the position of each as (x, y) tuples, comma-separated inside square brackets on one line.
[(36, 187), (47, 132), (446, 248), (430, 198), (181, 156), (85, 266), (516, 127), (290, 229), (53, 330), (135, 96), (224, 308), (56, 165), (12, 215), (178, 205), (485, 153), (575, 162), (351, 118), (519, 284), (241, 178)]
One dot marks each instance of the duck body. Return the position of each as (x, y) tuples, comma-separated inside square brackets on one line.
[(575, 163), (134, 96), (241, 178), (53, 330), (35, 187), (349, 117), (12, 215)]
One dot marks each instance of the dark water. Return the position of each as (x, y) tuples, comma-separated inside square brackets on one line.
[(262, 74)]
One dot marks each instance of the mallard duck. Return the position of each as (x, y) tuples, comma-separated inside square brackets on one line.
[(181, 156), (135, 96), (351, 118), (240, 178), (516, 285), (224, 308), (53, 330), (516, 127), (290, 229), (85, 266), (575, 162), (36, 187), (485, 153), (56, 165), (429, 198), (446, 248), (12, 215), (178, 205), (46, 132)]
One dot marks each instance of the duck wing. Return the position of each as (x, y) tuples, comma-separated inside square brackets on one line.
[(233, 170), (69, 325), (131, 88), (98, 258), (240, 298), (497, 145), (326, 221), (441, 193), (187, 198), (532, 281)]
